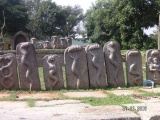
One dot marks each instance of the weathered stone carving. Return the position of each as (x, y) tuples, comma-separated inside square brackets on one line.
[(134, 68), (114, 66), (39, 45), (33, 41), (8, 72), (97, 72), (52, 70), (28, 67), (153, 65), (55, 42), (64, 43), (69, 41), (76, 68), (46, 45)]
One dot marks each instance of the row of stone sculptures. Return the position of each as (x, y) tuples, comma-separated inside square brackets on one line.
[(55, 43), (85, 68)]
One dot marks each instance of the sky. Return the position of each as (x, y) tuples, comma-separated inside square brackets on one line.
[(85, 4)]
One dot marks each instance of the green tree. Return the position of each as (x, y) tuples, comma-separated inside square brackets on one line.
[(49, 19), (151, 41), (43, 19), (73, 16), (122, 20), (15, 14)]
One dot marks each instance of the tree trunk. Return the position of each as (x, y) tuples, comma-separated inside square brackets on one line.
[(159, 33), (4, 23)]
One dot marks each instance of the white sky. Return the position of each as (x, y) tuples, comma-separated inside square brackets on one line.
[(85, 4)]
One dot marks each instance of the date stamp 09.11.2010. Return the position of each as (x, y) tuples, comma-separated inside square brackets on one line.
[(134, 108)]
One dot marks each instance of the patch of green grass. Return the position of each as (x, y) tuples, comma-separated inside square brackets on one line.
[(148, 94), (151, 94), (64, 76), (111, 99), (40, 70), (11, 97), (31, 102)]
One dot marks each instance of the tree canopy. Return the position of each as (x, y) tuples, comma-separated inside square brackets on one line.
[(49, 19), (122, 20), (15, 13), (39, 18)]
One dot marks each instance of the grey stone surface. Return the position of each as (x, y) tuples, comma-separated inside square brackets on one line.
[(47, 45), (147, 111), (64, 43), (28, 67), (8, 72), (69, 41), (65, 110), (114, 66), (97, 94), (153, 65), (39, 45), (52, 71), (96, 66), (134, 68), (55, 42), (76, 68), (33, 41)]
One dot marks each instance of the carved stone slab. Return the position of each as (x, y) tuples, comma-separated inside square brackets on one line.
[(114, 66), (39, 45), (134, 68), (69, 41), (47, 45), (153, 65), (28, 67), (8, 72), (55, 42), (76, 68), (33, 41), (64, 43), (96, 66), (52, 71)]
